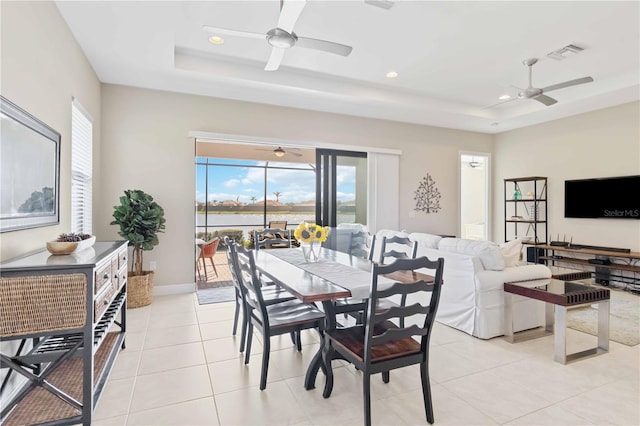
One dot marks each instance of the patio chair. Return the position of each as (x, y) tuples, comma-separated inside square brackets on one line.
[(208, 251), (272, 238), (379, 345)]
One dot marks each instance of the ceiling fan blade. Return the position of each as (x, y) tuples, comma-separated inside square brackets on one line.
[(225, 31), (567, 84), (548, 101), (324, 45), (295, 154), (289, 14), (274, 59)]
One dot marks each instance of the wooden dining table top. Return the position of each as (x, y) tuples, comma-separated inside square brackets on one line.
[(311, 288)]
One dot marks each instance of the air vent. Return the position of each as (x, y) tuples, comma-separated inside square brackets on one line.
[(565, 52), (384, 4)]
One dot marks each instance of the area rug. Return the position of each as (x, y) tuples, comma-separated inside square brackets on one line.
[(216, 295), (624, 322)]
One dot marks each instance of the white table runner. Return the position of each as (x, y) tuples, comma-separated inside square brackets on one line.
[(357, 281)]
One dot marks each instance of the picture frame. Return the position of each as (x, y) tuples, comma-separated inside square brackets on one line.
[(29, 170)]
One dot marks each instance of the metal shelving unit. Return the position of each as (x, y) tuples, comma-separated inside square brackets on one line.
[(525, 209)]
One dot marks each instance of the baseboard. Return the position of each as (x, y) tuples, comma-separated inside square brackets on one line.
[(164, 290)]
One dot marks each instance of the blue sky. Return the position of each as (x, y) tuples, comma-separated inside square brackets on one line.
[(242, 183)]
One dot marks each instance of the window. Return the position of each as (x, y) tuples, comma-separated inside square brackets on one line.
[(248, 194), (81, 169)]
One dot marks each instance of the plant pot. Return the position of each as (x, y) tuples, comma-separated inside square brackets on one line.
[(139, 289)]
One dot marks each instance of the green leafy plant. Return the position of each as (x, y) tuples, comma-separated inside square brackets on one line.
[(140, 219)]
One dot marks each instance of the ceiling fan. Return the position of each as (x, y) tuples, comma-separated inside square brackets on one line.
[(279, 152), (539, 94), (282, 37)]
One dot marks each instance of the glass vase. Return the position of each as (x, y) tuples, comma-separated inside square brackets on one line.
[(310, 251)]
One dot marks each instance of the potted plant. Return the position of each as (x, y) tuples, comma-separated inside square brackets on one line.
[(140, 219)]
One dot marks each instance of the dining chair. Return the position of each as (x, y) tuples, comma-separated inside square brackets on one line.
[(379, 345), (209, 250), (272, 238), (358, 244), (407, 249), (271, 295), (271, 320)]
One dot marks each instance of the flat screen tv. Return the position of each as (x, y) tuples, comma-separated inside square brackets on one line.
[(612, 198)]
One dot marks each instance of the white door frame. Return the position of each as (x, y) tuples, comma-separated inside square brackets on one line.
[(489, 200)]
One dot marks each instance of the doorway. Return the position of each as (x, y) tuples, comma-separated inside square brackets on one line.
[(474, 195)]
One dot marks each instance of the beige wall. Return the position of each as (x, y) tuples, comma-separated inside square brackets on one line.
[(145, 146), (42, 69), (596, 144)]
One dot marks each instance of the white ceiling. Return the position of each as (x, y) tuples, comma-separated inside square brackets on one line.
[(453, 58)]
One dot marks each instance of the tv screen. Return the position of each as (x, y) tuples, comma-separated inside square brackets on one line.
[(614, 198)]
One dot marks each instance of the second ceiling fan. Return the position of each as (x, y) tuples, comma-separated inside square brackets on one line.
[(539, 94), (282, 37)]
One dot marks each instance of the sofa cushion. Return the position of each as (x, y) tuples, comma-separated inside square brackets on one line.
[(511, 252), (488, 252), (425, 240)]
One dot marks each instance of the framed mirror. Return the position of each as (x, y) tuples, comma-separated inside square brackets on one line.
[(29, 170)]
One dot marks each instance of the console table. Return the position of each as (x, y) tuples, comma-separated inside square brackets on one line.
[(69, 312), (575, 255)]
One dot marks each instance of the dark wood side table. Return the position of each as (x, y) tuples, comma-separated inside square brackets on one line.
[(559, 296)]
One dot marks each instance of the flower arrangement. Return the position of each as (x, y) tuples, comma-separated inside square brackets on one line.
[(310, 232)]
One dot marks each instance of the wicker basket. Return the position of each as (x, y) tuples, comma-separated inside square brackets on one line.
[(140, 289)]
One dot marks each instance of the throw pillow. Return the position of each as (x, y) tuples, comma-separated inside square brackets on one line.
[(511, 252)]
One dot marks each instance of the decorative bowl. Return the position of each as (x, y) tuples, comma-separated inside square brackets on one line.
[(68, 247), (62, 247), (85, 244)]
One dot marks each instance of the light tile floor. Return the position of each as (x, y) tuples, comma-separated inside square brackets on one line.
[(182, 367)]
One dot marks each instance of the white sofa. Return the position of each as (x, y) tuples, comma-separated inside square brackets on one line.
[(472, 297)]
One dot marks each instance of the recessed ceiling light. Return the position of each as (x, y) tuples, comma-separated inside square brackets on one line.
[(495, 123), (216, 40), (391, 74), (503, 97)]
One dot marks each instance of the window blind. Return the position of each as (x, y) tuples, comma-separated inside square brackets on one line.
[(81, 169)]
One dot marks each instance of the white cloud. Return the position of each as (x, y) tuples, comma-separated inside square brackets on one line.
[(231, 183)]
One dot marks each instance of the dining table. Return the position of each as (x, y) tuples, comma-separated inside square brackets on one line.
[(334, 276)]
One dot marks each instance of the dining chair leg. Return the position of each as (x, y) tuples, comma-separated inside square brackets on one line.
[(327, 356), (426, 391), (266, 346), (243, 338), (299, 341), (236, 314), (366, 396), (385, 376), (247, 352)]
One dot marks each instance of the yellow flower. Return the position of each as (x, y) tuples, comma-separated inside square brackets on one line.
[(310, 232)]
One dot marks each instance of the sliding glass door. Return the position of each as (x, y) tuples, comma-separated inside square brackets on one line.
[(341, 187)]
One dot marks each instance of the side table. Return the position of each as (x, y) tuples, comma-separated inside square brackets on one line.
[(559, 296)]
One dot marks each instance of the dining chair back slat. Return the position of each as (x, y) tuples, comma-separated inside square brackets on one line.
[(407, 249)]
